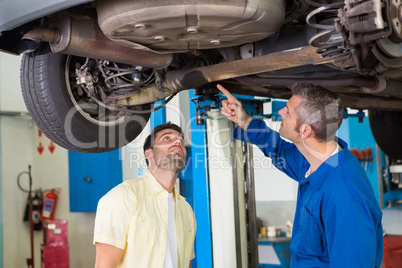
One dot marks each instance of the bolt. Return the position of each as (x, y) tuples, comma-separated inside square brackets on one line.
[(139, 26), (159, 38), (192, 30)]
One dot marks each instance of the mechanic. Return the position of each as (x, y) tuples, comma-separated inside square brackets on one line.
[(338, 220), (146, 222)]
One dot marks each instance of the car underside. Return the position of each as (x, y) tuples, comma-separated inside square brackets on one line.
[(99, 66)]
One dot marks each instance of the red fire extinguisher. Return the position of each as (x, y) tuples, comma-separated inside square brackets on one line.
[(49, 204)]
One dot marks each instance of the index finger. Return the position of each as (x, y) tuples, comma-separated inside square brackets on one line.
[(231, 98)]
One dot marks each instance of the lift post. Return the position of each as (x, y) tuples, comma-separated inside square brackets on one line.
[(206, 102)]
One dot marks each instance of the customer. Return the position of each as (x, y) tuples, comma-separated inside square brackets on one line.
[(145, 223), (338, 220)]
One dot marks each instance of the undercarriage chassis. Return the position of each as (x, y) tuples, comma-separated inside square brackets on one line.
[(111, 60)]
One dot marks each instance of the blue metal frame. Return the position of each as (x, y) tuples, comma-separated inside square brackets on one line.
[(248, 102), (158, 117), (355, 131), (201, 198), (276, 106)]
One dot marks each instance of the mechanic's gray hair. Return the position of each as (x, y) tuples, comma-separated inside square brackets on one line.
[(321, 109)]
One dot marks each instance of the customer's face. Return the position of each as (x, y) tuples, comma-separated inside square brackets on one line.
[(168, 151)]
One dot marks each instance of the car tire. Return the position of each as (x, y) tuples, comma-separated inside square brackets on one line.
[(386, 127), (45, 82)]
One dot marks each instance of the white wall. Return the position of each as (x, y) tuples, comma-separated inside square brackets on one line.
[(133, 159), (17, 152), (270, 183), (16, 155), (10, 90)]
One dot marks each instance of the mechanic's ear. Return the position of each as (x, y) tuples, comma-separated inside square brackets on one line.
[(305, 131)]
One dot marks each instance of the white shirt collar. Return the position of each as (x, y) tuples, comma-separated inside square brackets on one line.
[(337, 149)]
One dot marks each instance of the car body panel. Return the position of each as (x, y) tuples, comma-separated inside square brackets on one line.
[(14, 13), (125, 54)]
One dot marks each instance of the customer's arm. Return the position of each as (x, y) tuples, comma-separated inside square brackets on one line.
[(107, 256)]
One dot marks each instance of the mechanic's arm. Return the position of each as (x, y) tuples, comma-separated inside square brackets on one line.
[(350, 235), (262, 136), (107, 256)]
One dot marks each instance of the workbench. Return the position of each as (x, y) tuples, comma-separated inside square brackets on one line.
[(274, 252)]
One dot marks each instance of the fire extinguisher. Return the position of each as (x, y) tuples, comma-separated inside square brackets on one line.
[(49, 204)]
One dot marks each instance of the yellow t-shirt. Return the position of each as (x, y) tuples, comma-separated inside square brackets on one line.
[(133, 216)]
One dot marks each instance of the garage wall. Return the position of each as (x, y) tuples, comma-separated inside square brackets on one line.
[(10, 91), (18, 138), (17, 152), (270, 183)]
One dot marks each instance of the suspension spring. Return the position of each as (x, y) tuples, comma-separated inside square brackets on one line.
[(327, 40)]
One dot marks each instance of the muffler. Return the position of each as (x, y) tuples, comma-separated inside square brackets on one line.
[(85, 39)]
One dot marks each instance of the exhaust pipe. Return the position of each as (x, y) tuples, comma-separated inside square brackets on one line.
[(175, 81), (88, 41)]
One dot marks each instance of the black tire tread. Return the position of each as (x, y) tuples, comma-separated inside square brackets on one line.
[(386, 127), (36, 99)]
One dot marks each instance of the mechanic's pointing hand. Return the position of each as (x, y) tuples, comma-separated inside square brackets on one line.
[(233, 110)]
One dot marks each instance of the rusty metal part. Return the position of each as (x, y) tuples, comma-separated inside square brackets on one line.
[(356, 101), (42, 35), (371, 102), (369, 83), (267, 63), (87, 40), (379, 88), (363, 21), (176, 81)]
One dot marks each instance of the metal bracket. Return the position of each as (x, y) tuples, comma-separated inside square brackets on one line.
[(360, 114), (210, 99)]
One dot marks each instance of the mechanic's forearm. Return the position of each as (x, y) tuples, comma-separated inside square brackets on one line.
[(244, 120)]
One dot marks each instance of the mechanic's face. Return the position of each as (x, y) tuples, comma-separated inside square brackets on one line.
[(168, 151), (289, 119)]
